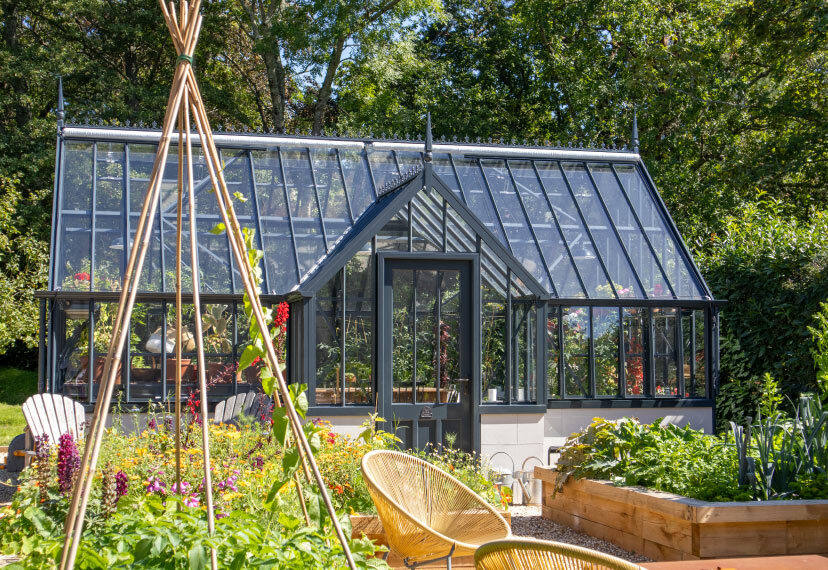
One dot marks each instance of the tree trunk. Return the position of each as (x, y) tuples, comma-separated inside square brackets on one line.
[(327, 86), (276, 84)]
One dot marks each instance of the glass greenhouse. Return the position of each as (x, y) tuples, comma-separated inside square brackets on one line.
[(491, 279)]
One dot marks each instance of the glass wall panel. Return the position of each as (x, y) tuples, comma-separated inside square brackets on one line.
[(572, 226), (328, 343), (699, 356), (606, 331), (357, 180), (109, 217), (665, 351), (359, 328), (307, 225), (524, 352), (550, 240), (477, 196), (74, 241), (332, 198), (576, 331), (666, 247), (239, 180), (427, 222), (493, 320), (643, 260), (600, 226), (459, 236), (73, 362), (394, 234), (408, 159), (520, 239), (404, 327), (217, 323), (213, 258), (278, 242), (553, 353), (635, 351), (147, 346)]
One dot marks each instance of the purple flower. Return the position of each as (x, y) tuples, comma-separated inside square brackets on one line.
[(152, 424), (185, 487), (156, 485), (121, 484), (191, 501), (258, 462), (68, 463)]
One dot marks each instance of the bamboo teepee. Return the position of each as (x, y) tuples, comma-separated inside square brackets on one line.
[(184, 102)]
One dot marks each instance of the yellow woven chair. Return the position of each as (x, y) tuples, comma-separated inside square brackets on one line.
[(427, 514), (531, 554)]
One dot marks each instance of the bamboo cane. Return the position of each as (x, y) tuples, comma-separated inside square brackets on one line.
[(237, 242), (77, 511), (178, 332), (201, 363)]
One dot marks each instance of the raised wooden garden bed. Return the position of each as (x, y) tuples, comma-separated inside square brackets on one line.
[(663, 526)]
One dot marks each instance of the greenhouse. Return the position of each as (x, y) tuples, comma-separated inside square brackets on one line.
[(486, 295)]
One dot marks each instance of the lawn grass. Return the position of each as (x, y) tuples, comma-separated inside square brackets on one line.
[(15, 386)]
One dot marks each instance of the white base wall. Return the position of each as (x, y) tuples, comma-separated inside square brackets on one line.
[(523, 436), (561, 423), (345, 425)]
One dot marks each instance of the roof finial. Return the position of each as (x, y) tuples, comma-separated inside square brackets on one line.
[(635, 132), (428, 141), (61, 111)]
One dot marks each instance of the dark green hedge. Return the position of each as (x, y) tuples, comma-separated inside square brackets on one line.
[(773, 271)]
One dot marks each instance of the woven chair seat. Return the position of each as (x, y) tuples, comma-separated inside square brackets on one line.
[(427, 514), (531, 554)]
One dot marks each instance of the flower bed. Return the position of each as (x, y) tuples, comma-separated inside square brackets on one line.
[(139, 514)]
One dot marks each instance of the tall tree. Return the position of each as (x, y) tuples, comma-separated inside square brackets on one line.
[(302, 45)]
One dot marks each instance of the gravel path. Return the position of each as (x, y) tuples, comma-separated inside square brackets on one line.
[(8, 486), (527, 521)]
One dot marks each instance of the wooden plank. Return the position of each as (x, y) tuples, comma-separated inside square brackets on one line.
[(806, 537), (757, 538), (60, 414), (767, 511), (658, 551), (218, 413), (674, 533)]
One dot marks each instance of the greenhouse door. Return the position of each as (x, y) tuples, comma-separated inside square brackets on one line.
[(425, 347)]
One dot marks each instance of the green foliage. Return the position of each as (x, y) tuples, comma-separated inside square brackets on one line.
[(819, 333), (773, 270), (156, 533), (770, 397), (778, 456), (662, 457)]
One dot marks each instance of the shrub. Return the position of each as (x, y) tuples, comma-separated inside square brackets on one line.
[(773, 270), (666, 458)]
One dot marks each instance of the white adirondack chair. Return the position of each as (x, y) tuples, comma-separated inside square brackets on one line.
[(52, 415), (250, 404)]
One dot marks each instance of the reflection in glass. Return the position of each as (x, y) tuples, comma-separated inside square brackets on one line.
[(576, 329), (635, 350), (359, 323), (524, 346), (665, 353), (605, 330), (553, 353), (699, 356), (494, 342), (328, 342)]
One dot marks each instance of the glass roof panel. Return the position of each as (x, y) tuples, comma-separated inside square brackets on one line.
[(551, 242), (444, 169), (307, 226), (580, 244), (609, 249), (626, 224), (575, 226), (280, 256), (521, 241), (476, 194), (332, 198), (383, 166), (357, 180), (666, 248)]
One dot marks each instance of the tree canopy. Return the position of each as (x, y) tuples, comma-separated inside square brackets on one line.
[(731, 95)]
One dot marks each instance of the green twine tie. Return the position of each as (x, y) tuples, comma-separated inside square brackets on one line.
[(185, 57)]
